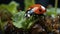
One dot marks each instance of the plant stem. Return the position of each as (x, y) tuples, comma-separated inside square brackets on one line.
[(56, 4)]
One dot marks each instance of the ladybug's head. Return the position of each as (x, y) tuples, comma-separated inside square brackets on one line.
[(29, 13)]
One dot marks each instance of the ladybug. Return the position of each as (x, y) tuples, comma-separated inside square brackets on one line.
[(35, 9)]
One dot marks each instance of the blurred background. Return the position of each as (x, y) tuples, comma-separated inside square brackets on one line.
[(22, 2)]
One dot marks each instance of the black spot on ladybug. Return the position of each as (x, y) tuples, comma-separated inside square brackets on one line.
[(40, 10)]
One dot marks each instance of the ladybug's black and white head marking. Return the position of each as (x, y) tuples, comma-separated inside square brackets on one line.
[(29, 13)]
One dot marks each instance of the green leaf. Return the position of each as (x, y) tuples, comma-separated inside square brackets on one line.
[(20, 21), (51, 12), (12, 7)]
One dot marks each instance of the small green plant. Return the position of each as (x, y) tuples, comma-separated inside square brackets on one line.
[(6, 13)]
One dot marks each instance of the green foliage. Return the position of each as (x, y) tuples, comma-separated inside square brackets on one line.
[(12, 7), (18, 18), (51, 11), (28, 3), (20, 21), (6, 12)]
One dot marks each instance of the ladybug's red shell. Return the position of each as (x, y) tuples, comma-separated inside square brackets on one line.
[(38, 9)]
